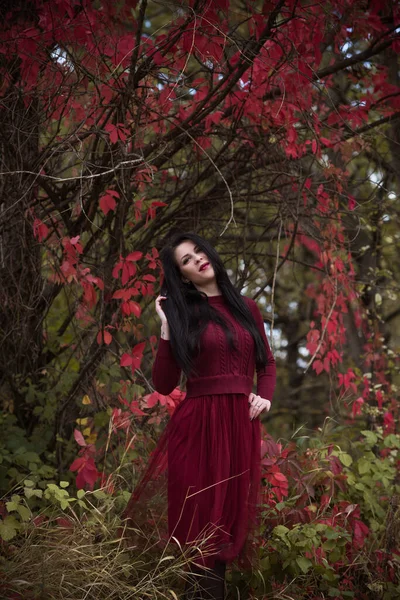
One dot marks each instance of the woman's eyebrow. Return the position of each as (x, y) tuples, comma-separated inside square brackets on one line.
[(188, 254)]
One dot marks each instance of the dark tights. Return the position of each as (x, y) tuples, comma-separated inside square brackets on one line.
[(206, 584)]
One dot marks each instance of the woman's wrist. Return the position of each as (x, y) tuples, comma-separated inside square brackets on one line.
[(164, 331)]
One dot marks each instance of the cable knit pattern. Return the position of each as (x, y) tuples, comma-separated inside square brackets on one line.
[(220, 369)]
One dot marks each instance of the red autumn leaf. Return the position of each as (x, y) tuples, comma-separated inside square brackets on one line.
[(327, 364), (352, 203), (87, 475), (113, 132), (281, 477), (356, 408), (122, 294), (152, 399), (134, 408), (107, 203), (126, 360), (360, 532), (134, 256), (318, 366), (314, 146), (40, 230), (131, 308), (77, 464), (79, 438), (104, 337)]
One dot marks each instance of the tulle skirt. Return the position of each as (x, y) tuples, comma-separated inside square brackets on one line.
[(210, 455)]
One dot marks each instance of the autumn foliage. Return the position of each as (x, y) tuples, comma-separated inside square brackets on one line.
[(270, 127)]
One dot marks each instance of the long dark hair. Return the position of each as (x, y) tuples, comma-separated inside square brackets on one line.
[(188, 311)]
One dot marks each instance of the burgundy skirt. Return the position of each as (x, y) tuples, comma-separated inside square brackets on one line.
[(210, 451)]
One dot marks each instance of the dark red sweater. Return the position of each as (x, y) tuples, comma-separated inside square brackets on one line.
[(220, 369)]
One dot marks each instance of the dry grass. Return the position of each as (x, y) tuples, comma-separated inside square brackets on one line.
[(92, 560)]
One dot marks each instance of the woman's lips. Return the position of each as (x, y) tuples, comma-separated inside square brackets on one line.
[(204, 266)]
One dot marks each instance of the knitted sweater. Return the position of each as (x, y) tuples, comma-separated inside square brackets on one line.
[(220, 369)]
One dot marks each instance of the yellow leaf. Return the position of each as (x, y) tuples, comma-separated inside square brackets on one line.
[(82, 421), (86, 431), (86, 399), (91, 439)]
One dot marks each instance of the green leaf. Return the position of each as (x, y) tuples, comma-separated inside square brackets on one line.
[(30, 493), (391, 441), (370, 436), (364, 466), (80, 494), (29, 484), (345, 459), (280, 531), (304, 563), (100, 494), (24, 512), (11, 506), (64, 484), (309, 532), (32, 457), (9, 528)]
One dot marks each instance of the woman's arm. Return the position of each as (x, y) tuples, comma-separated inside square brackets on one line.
[(266, 376), (166, 373)]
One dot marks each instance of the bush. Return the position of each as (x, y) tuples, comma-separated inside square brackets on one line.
[(330, 529)]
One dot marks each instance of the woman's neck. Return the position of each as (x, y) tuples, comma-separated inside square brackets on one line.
[(211, 289)]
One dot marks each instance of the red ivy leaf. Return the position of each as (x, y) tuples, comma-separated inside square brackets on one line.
[(40, 230), (318, 366), (126, 360), (352, 203), (107, 203), (104, 337), (131, 307), (113, 132), (314, 146), (77, 464), (122, 295), (79, 438), (134, 256)]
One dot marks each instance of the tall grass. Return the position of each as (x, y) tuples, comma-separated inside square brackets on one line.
[(92, 559)]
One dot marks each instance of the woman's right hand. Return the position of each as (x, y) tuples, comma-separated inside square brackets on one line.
[(160, 311)]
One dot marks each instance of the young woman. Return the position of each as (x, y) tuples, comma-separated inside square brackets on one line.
[(212, 442)]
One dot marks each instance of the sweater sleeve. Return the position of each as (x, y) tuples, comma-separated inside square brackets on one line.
[(266, 376), (166, 373)]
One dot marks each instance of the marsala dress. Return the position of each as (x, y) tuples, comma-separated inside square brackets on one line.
[(210, 446)]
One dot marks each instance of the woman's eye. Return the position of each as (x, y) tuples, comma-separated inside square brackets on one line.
[(185, 261)]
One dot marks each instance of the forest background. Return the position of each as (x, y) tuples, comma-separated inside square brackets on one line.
[(271, 128)]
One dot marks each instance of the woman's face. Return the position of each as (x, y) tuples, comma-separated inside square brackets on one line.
[(193, 263)]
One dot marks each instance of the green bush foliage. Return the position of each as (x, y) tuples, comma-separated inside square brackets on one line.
[(329, 529)]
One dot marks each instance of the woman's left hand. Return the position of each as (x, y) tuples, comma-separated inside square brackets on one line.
[(258, 405)]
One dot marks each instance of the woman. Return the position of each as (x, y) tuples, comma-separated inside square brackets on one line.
[(217, 338)]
